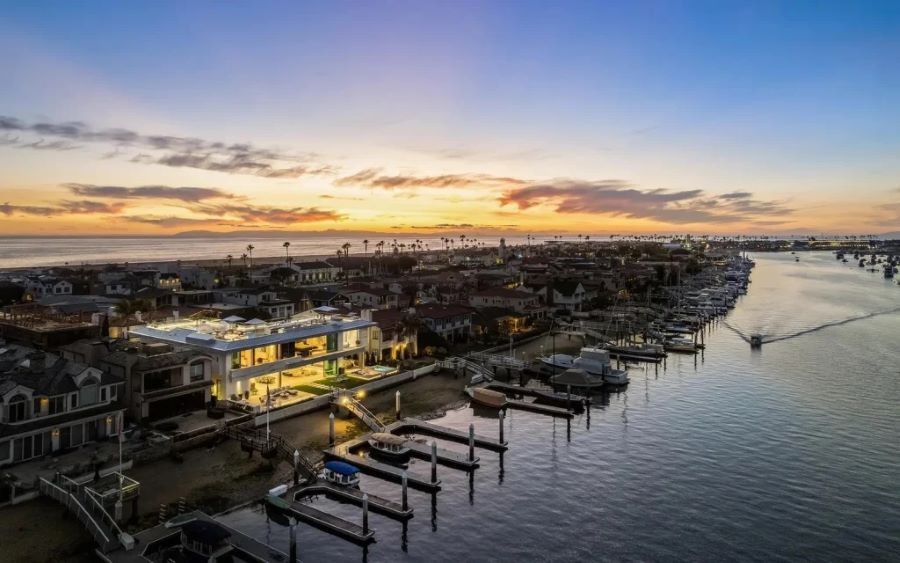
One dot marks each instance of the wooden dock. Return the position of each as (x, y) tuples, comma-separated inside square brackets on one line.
[(383, 470), (540, 409), (379, 505), (417, 426), (572, 401), (331, 523)]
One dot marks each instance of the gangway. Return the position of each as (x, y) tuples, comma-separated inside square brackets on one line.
[(499, 360), (481, 373), (359, 410), (95, 519), (270, 444)]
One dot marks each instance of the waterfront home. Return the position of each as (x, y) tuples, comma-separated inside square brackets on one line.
[(49, 404), (247, 356), (393, 337), (160, 381), (261, 298), (316, 272), (451, 322)]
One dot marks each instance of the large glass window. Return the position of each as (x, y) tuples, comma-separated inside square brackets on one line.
[(331, 342)]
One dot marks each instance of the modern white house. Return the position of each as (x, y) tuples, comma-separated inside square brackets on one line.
[(259, 297), (248, 357)]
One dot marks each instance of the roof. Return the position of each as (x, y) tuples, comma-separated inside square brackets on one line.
[(317, 265), (341, 468), (505, 293), (206, 532), (438, 311), (566, 287)]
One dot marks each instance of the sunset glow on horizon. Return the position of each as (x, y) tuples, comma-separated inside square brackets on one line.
[(501, 117)]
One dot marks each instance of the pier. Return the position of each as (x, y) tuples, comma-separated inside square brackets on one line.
[(383, 470), (376, 504), (329, 523)]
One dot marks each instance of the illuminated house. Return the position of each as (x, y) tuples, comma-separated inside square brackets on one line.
[(49, 404), (249, 356)]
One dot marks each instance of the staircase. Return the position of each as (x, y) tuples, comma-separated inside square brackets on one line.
[(256, 440)]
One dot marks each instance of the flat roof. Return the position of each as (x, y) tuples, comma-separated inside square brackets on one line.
[(218, 336)]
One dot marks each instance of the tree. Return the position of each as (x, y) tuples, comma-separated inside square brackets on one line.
[(287, 257), (250, 248), (228, 260), (346, 248)]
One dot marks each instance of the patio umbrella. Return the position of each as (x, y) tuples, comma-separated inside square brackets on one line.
[(255, 322), (325, 310), (234, 319)]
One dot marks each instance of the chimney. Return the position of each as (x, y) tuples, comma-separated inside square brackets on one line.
[(36, 362)]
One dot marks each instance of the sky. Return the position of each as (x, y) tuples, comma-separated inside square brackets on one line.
[(391, 116)]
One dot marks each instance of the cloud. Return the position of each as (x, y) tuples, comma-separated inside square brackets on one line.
[(169, 150), (264, 214), (187, 194), (83, 207), (372, 178), (9, 209), (618, 198)]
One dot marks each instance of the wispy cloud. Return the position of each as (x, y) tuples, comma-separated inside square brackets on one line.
[(373, 178), (188, 194), (618, 198), (168, 150), (83, 207)]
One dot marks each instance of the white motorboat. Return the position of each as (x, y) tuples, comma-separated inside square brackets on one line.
[(595, 361)]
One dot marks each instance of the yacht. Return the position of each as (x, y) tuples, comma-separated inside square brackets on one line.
[(556, 363), (681, 345), (642, 352), (341, 473), (595, 361)]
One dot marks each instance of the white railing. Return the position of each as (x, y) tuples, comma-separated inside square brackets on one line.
[(501, 360), (362, 412), (74, 505), (481, 373)]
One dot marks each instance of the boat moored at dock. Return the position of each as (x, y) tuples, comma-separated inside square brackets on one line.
[(341, 473), (389, 446)]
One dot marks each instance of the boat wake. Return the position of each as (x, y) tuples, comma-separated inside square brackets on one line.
[(769, 338)]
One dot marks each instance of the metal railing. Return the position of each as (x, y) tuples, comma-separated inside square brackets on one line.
[(501, 360), (361, 411), (481, 373)]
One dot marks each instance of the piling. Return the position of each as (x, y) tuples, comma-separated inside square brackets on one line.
[(365, 507), (433, 461), (162, 513), (331, 429), (293, 547), (404, 502), (118, 510), (397, 404), (568, 395), (471, 442), (182, 502), (501, 417), (296, 467)]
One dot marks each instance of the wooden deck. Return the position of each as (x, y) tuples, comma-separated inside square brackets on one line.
[(540, 409), (415, 425)]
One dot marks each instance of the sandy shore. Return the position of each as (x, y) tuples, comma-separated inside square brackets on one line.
[(211, 479)]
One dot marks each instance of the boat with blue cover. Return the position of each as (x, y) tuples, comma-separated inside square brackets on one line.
[(341, 473)]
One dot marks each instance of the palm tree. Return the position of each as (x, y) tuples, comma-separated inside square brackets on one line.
[(250, 248), (366, 246), (346, 247), (228, 260), (244, 259), (287, 257)]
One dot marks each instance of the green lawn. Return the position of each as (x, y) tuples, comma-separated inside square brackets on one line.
[(348, 383), (310, 389)]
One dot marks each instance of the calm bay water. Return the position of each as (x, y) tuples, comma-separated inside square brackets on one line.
[(791, 452), (28, 252)]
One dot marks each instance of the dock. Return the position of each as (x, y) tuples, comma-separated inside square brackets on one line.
[(417, 426), (330, 523), (540, 409), (383, 470), (376, 504), (573, 401)]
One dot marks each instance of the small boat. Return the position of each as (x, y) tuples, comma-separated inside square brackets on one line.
[(556, 363), (577, 378), (341, 473), (389, 446), (278, 491), (797, 259), (681, 345), (596, 361), (487, 397), (756, 341)]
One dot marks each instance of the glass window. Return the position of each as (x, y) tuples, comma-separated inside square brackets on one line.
[(77, 434), (57, 404), (73, 402), (17, 409), (197, 372), (236, 360)]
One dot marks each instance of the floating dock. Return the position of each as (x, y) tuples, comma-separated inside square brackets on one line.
[(540, 409), (383, 470), (330, 523), (376, 504), (417, 426)]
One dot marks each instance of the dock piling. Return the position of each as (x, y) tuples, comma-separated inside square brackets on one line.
[(296, 467), (433, 461), (404, 500), (331, 429), (293, 546), (471, 442), (365, 509), (397, 404), (501, 417)]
